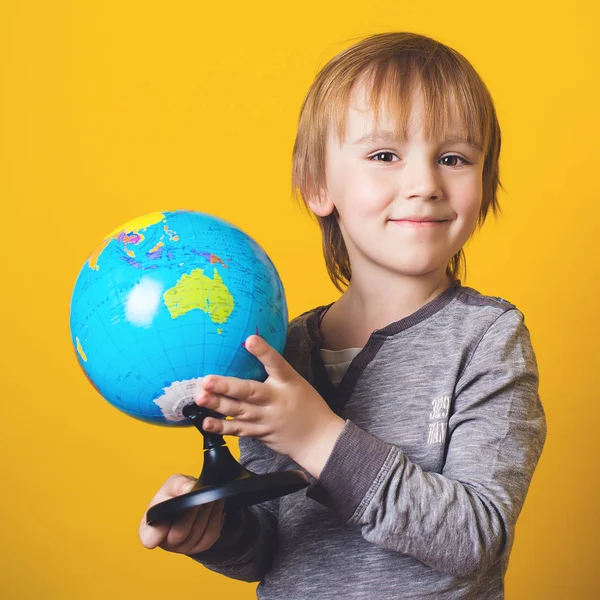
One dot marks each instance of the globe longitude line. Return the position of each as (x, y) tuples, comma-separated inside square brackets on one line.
[(132, 331), (95, 281), (220, 238), (186, 346), (252, 294), (205, 350), (81, 312), (118, 347), (141, 396), (203, 320), (161, 333), (182, 327), (265, 271), (152, 385), (217, 236), (167, 355), (162, 375), (117, 360), (160, 339), (142, 343), (90, 364), (243, 247), (176, 326), (235, 350), (200, 361), (223, 244), (206, 242), (253, 303), (174, 218)]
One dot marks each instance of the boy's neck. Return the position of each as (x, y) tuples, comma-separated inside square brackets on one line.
[(363, 308)]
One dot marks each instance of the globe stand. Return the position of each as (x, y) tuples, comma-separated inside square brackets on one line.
[(223, 477)]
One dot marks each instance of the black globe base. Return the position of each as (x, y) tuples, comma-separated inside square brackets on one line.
[(223, 477)]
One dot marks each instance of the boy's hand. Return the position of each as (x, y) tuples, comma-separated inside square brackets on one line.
[(196, 530), (285, 412)]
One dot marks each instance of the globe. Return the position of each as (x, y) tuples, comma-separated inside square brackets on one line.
[(166, 299)]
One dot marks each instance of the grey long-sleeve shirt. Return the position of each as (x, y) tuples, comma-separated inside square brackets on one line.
[(421, 493)]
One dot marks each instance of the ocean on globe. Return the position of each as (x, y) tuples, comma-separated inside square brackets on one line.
[(166, 299)]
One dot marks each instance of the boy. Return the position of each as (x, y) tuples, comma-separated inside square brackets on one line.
[(411, 402)]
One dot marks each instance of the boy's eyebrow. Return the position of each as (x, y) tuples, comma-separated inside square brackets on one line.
[(376, 136), (390, 136)]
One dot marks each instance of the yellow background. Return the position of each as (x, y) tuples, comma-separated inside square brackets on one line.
[(110, 110)]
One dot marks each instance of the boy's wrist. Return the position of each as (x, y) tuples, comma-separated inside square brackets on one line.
[(316, 451)]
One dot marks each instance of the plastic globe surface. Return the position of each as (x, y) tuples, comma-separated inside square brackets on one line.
[(166, 299)]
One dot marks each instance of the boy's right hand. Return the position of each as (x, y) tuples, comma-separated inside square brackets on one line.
[(196, 530)]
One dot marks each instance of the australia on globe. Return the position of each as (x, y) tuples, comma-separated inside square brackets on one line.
[(166, 299)]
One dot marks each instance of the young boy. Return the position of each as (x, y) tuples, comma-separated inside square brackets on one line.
[(412, 401)]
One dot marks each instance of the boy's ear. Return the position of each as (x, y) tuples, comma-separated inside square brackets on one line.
[(321, 204)]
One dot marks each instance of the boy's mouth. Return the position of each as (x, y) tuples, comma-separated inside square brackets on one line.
[(419, 222), (420, 219)]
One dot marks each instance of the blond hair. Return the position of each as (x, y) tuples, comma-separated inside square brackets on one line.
[(393, 63)]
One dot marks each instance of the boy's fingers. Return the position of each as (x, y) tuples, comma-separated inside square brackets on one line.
[(180, 529), (230, 387), (234, 427), (152, 535), (199, 528), (213, 529), (229, 407), (275, 365), (176, 485)]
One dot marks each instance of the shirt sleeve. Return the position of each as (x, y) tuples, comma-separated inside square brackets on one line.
[(462, 520), (247, 543)]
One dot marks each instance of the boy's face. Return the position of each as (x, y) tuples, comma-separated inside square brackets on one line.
[(381, 186)]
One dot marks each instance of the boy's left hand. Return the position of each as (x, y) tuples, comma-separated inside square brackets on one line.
[(284, 412)]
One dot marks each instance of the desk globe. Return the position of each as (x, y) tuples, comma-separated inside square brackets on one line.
[(164, 300)]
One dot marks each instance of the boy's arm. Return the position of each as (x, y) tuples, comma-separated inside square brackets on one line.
[(462, 520), (247, 543)]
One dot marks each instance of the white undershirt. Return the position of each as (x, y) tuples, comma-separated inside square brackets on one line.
[(337, 362)]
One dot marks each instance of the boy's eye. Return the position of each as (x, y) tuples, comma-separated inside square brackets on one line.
[(386, 156), (454, 156)]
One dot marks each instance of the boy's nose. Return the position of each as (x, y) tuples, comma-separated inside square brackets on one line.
[(419, 180)]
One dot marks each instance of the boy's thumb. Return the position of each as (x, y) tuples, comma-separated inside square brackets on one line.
[(186, 484)]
